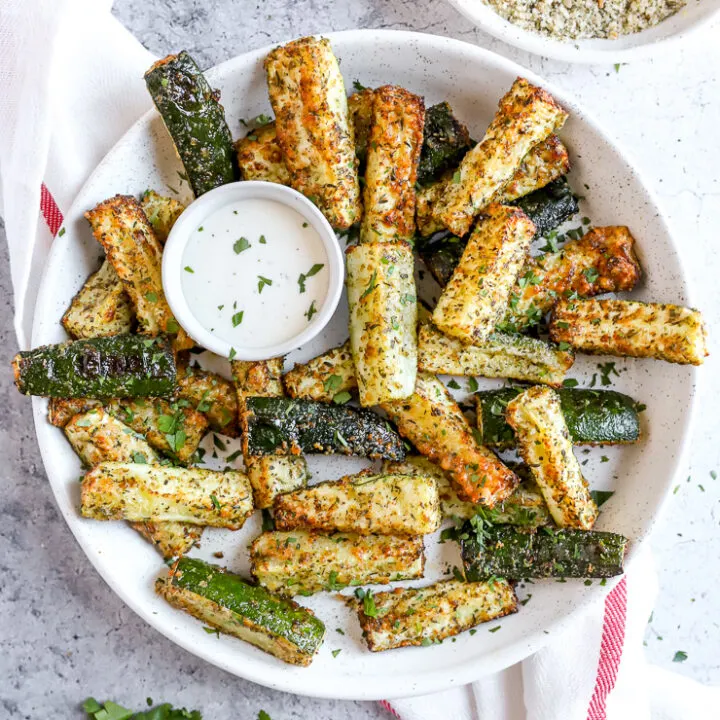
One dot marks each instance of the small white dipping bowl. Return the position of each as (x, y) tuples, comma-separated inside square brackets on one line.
[(202, 208)]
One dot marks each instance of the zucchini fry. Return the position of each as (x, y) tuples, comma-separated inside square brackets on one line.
[(259, 156), (383, 320), (233, 606), (432, 421), (161, 212), (525, 507), (517, 555), (546, 162), (313, 127), (120, 226), (269, 475), (422, 616), (62, 410), (212, 395), (195, 119), (476, 298), (635, 329), (100, 308), (393, 153), (301, 562), (527, 115), (501, 355), (128, 491), (544, 444), (365, 504), (603, 260), (96, 436), (323, 377)]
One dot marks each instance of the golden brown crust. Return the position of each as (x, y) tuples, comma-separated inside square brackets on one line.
[(393, 153), (260, 157), (634, 329), (432, 421), (313, 127)]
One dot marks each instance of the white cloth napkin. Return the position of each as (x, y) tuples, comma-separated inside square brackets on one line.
[(71, 79)]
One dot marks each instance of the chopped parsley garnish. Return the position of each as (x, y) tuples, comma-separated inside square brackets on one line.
[(237, 318), (61, 232), (335, 653), (564, 346), (407, 298), (172, 326), (601, 496), (261, 119), (591, 274), (305, 224), (139, 458), (112, 711), (606, 371), (151, 297), (332, 583), (189, 269), (495, 629), (240, 245), (218, 443), (358, 86), (232, 354), (680, 656), (371, 285), (368, 602), (332, 383), (262, 715), (312, 310), (570, 382), (215, 502), (456, 177), (529, 278), (200, 229), (262, 240), (262, 282), (314, 270), (268, 523), (473, 385), (453, 384)]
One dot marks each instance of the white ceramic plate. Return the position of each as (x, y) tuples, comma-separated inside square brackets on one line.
[(473, 80), (652, 41)]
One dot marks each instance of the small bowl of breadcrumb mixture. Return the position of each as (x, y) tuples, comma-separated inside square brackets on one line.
[(590, 31)]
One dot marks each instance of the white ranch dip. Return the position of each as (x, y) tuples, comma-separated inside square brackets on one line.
[(255, 273)]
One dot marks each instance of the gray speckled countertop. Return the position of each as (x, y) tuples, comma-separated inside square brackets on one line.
[(65, 635)]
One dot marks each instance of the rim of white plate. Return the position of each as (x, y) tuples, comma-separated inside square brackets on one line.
[(493, 661), (638, 46)]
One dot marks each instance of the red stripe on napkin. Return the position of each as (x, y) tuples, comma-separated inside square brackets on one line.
[(50, 211), (611, 647), (389, 708)]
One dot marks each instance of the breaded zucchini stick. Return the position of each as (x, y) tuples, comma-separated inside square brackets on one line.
[(128, 491), (96, 436), (476, 298), (260, 157), (502, 355), (365, 504), (302, 562), (422, 616), (636, 329), (544, 444), (269, 475), (603, 260), (100, 308), (120, 226), (308, 97), (432, 421), (393, 152), (546, 162), (527, 115), (323, 377), (383, 320)]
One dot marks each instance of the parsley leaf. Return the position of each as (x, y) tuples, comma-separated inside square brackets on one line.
[(262, 282), (371, 285), (237, 318), (368, 601), (240, 245), (311, 311), (680, 656)]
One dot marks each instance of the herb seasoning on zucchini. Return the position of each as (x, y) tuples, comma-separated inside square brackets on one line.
[(503, 551), (232, 605), (106, 367)]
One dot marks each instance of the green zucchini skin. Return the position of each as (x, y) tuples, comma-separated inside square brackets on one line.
[(104, 367), (195, 120), (252, 604), (283, 426), (505, 552), (547, 207), (445, 142), (593, 417)]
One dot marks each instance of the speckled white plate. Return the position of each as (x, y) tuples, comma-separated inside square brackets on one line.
[(473, 80), (669, 33)]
